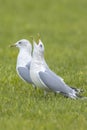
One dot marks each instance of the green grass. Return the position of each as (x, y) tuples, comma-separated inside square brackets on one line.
[(63, 28)]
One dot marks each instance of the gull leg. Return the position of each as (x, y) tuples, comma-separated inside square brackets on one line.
[(34, 86), (55, 93), (45, 93)]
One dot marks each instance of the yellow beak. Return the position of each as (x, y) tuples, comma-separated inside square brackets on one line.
[(13, 45)]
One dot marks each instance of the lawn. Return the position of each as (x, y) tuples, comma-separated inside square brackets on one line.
[(62, 25)]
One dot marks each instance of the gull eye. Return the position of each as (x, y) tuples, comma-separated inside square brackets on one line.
[(41, 45), (19, 42)]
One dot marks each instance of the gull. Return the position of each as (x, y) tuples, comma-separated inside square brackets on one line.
[(24, 59), (43, 77)]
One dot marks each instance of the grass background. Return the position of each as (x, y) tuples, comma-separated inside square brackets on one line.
[(63, 28)]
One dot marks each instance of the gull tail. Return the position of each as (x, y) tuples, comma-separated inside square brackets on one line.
[(75, 94), (77, 90)]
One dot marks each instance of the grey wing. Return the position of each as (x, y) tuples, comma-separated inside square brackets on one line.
[(24, 73), (54, 82)]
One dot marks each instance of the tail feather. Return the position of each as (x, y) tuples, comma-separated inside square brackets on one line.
[(77, 90), (75, 94)]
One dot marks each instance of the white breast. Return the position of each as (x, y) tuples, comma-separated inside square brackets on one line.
[(35, 68), (23, 59)]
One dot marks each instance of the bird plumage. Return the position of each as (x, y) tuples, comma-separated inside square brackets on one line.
[(24, 59), (44, 78)]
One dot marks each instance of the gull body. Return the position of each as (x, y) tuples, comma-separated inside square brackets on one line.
[(24, 59), (44, 78)]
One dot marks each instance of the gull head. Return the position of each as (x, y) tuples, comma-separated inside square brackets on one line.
[(22, 44), (38, 48)]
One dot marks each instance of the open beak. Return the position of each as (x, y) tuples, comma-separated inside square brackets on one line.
[(34, 44), (13, 45), (38, 35)]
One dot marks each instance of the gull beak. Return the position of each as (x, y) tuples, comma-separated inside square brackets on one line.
[(34, 43), (38, 35), (13, 45), (32, 38)]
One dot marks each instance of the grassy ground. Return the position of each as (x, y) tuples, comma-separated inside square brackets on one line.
[(63, 28)]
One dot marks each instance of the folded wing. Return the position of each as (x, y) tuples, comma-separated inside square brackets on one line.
[(54, 82), (24, 73)]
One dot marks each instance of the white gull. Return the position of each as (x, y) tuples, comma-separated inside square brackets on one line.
[(46, 79)]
